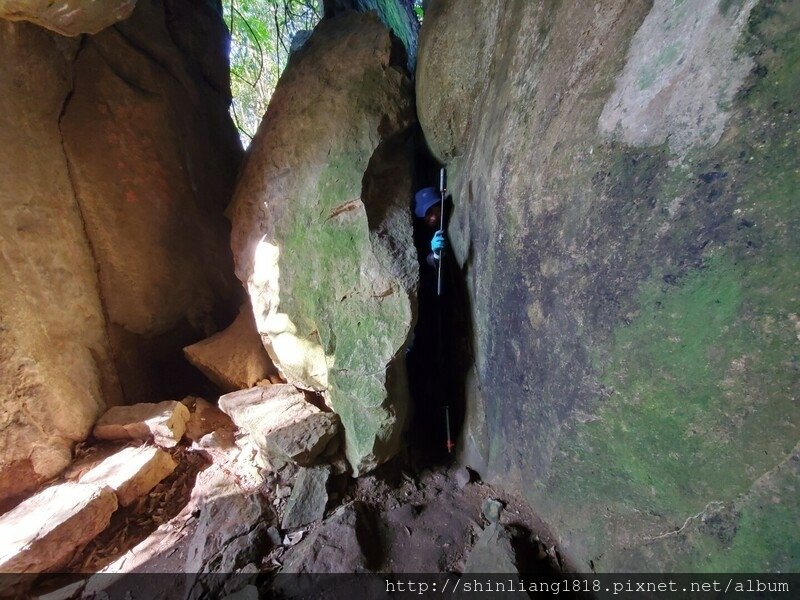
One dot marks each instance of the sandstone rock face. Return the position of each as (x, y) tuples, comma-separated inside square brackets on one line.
[(164, 423), (397, 15), (56, 369), (45, 530), (116, 155), (68, 17), (234, 359), (152, 178), (322, 229), (131, 472), (624, 178)]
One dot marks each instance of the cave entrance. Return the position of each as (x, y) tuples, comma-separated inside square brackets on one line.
[(438, 357)]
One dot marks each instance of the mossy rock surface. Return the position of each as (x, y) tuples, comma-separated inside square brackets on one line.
[(322, 228), (634, 291)]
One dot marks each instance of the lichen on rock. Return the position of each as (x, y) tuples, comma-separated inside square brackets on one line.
[(327, 259)]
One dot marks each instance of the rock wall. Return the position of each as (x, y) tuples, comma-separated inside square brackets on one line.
[(68, 17), (117, 157), (625, 184), (397, 15), (322, 229)]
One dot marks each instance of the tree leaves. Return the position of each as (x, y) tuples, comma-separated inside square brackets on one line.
[(261, 38)]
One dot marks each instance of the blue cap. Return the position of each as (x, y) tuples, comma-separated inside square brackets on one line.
[(424, 199)]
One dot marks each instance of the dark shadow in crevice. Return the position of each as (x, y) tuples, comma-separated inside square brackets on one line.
[(440, 355)]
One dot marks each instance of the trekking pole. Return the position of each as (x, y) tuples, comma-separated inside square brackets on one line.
[(443, 192), (450, 445)]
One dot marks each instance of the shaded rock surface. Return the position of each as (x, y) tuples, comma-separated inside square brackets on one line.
[(68, 17), (308, 499), (164, 423), (629, 254), (492, 552), (339, 545), (117, 155), (234, 359), (45, 530), (305, 441), (205, 419), (397, 15), (322, 231), (131, 472), (230, 533)]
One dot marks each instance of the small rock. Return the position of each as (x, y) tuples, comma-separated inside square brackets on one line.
[(131, 472), (492, 509), (216, 440), (293, 538), (283, 491), (206, 419), (45, 530), (309, 498), (165, 422), (493, 552), (230, 533), (259, 411), (340, 466), (463, 477)]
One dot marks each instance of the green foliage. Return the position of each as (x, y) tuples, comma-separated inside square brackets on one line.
[(261, 37), (419, 10)]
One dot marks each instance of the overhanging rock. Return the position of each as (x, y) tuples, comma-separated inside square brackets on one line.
[(322, 229)]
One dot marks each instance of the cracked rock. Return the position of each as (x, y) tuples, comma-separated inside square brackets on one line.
[(309, 498)]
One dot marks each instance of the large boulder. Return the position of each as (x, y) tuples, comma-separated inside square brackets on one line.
[(322, 229), (625, 181), (68, 17), (117, 156)]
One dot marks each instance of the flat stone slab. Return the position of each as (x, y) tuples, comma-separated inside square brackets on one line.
[(45, 530), (164, 422), (260, 411), (132, 472)]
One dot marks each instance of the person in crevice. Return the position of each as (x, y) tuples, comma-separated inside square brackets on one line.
[(428, 206)]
